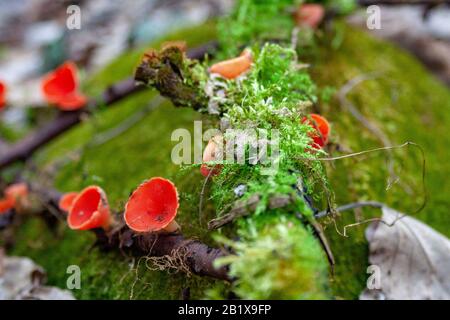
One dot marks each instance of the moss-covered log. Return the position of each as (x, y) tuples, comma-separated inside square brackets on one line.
[(144, 150)]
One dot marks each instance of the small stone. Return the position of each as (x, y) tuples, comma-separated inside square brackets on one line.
[(240, 190)]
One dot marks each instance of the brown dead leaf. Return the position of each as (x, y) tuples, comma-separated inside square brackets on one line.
[(414, 259), (22, 279)]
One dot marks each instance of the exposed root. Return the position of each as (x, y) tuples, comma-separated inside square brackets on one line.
[(381, 149), (173, 263), (136, 278), (355, 205), (127, 124)]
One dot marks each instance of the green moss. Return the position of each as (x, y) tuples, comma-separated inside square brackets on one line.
[(103, 275), (276, 258), (118, 165), (408, 104), (255, 21)]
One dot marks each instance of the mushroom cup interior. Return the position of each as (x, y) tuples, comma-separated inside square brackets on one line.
[(152, 206), (84, 206)]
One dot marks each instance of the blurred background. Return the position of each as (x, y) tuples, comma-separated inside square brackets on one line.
[(34, 37)]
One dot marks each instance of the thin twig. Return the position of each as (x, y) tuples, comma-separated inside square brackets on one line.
[(374, 129), (408, 143), (125, 125), (351, 206), (199, 256), (350, 107)]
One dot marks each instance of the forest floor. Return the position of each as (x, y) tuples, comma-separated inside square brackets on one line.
[(402, 99)]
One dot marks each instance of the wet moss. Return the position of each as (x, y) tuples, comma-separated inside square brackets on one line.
[(406, 102), (118, 165)]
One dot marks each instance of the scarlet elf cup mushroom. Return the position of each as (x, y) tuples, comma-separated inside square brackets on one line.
[(212, 152), (2, 95), (153, 206), (309, 14), (60, 88), (322, 129), (66, 201), (233, 68), (90, 210), (6, 204), (13, 194)]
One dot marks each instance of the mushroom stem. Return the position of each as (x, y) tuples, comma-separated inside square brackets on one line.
[(109, 223), (172, 227)]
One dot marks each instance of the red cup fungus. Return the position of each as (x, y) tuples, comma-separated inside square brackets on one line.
[(6, 204), (322, 127), (16, 191), (153, 207), (2, 95), (66, 201), (309, 14), (212, 153), (233, 68), (89, 210), (60, 88), (13, 194)]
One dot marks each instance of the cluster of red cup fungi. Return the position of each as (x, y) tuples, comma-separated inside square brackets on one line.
[(152, 207), (154, 204), (61, 88), (13, 195)]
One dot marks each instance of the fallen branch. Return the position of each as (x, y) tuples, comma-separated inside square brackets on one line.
[(170, 72), (198, 257), (247, 207), (23, 149)]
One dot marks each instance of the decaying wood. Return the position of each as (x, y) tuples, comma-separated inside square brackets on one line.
[(247, 207), (168, 70), (198, 257)]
